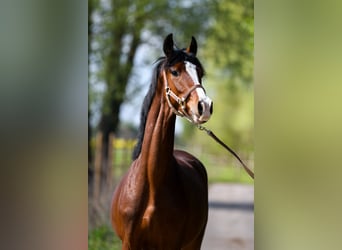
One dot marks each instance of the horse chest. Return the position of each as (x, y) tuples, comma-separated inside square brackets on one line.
[(159, 226), (159, 216), (147, 217)]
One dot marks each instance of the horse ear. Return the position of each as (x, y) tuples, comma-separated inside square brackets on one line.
[(168, 45), (192, 47)]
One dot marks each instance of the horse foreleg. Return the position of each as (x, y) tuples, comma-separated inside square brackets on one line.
[(131, 239)]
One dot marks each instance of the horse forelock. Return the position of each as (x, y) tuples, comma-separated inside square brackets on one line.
[(180, 55)]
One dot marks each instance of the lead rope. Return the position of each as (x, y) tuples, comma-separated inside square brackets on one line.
[(212, 135), (181, 102)]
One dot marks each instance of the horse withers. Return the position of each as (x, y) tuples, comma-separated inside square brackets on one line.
[(162, 201)]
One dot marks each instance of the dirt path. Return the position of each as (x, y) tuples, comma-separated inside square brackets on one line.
[(231, 218)]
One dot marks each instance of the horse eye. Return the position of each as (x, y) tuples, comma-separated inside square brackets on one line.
[(174, 73)]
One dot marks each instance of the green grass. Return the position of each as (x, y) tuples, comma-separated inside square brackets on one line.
[(220, 171), (103, 238), (227, 174)]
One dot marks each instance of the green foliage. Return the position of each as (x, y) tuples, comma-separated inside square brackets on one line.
[(233, 116), (103, 238), (228, 58), (123, 26), (230, 38)]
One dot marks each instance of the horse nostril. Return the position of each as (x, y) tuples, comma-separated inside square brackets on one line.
[(200, 107), (211, 107)]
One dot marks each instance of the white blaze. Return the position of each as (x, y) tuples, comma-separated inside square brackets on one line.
[(191, 69)]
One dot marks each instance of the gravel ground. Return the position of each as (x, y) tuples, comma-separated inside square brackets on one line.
[(231, 218)]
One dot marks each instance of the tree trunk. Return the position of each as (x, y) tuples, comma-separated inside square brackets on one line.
[(117, 74)]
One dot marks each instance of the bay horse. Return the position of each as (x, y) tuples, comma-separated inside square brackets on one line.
[(162, 201)]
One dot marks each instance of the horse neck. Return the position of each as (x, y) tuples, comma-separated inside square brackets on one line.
[(157, 146)]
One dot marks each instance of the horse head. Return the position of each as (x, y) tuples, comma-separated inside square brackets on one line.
[(182, 75)]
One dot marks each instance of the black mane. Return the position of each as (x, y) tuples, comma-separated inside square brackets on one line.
[(179, 55), (146, 107)]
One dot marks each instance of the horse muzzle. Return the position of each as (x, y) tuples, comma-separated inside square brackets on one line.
[(203, 111)]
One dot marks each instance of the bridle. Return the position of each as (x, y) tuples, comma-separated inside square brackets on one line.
[(182, 103), (180, 100)]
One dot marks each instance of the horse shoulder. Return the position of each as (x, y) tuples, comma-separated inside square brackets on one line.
[(128, 198)]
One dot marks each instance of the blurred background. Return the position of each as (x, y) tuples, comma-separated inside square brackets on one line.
[(124, 40), (44, 110)]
